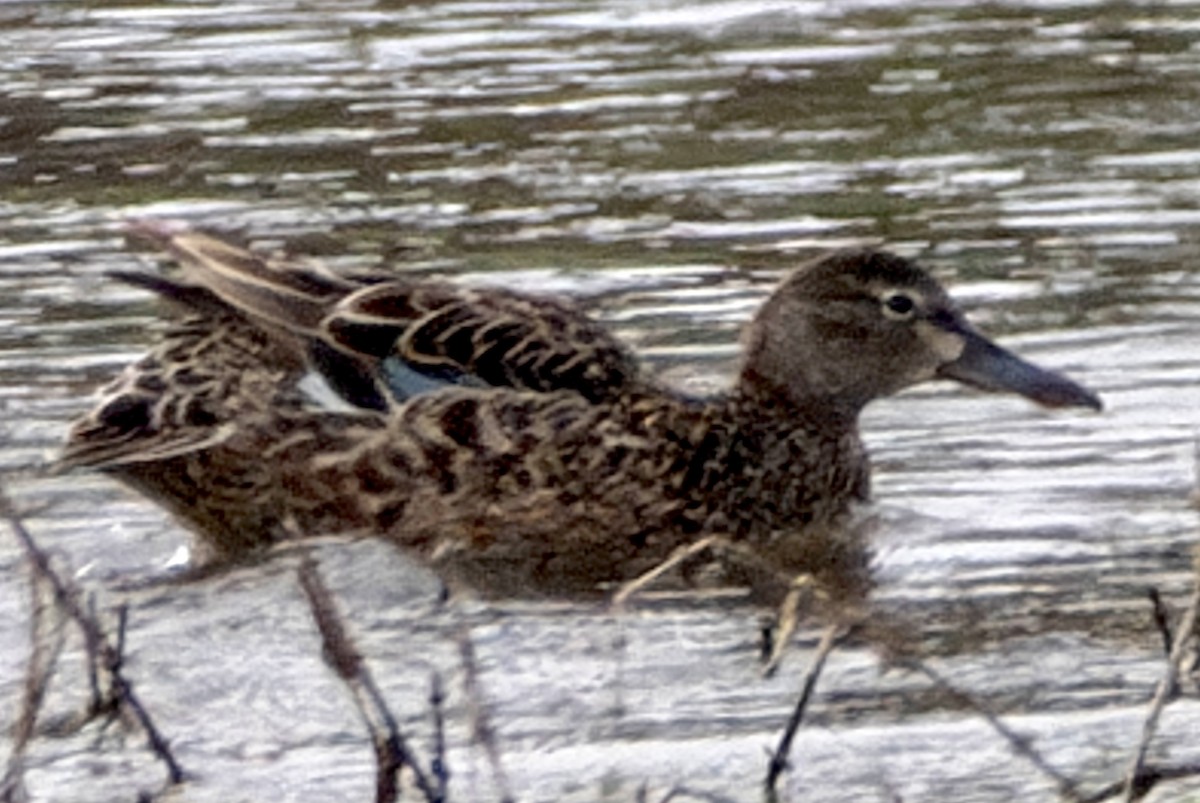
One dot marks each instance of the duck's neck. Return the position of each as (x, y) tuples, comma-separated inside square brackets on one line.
[(762, 463), (828, 414)]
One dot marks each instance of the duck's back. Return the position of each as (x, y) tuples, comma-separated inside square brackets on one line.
[(446, 333), (246, 330)]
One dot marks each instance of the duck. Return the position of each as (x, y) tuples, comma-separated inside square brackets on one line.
[(510, 441)]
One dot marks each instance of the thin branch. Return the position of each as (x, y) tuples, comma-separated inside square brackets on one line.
[(1162, 621), (93, 668), (67, 597), (482, 728), (788, 620), (336, 647), (1135, 778), (1020, 744), (392, 752), (43, 658), (123, 690), (1151, 775), (830, 639), (646, 579), (439, 766)]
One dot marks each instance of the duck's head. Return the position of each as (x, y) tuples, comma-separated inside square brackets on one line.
[(855, 325)]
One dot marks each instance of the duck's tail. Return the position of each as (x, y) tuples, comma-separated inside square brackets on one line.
[(273, 292), (286, 300)]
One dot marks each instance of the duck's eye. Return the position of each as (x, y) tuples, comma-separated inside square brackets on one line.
[(899, 306)]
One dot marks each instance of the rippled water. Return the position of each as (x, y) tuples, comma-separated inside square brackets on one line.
[(664, 161)]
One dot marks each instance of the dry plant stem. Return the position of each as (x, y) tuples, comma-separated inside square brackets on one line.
[(833, 635), (484, 733), (1151, 776), (1134, 786), (637, 584), (1161, 620), (789, 620), (441, 770), (123, 691), (67, 598), (392, 752), (336, 646), (799, 587), (722, 546), (1020, 744), (1196, 472), (93, 669), (43, 657)]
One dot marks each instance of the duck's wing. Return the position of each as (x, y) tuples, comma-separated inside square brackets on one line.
[(399, 338), (433, 332)]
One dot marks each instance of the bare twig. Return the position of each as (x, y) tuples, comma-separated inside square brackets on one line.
[(723, 548), (67, 598), (788, 620), (1151, 775), (683, 553), (43, 657), (336, 646), (1136, 777), (439, 767), (482, 729), (93, 668), (833, 635), (123, 690), (1196, 472), (392, 752), (1162, 621), (1020, 744)]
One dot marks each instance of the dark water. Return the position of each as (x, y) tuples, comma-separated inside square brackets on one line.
[(665, 161)]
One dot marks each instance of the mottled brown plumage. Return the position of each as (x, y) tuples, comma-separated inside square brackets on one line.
[(542, 463)]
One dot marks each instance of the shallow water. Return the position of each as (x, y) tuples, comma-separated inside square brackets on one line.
[(665, 162)]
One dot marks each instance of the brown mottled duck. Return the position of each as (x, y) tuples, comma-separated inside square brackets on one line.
[(511, 441)]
